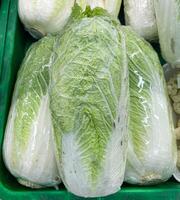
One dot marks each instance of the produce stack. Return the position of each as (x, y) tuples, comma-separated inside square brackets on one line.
[(90, 106)]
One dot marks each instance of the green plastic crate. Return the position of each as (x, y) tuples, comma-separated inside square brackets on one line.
[(3, 25), (13, 46)]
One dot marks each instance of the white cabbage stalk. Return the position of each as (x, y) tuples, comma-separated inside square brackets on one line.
[(112, 6), (152, 147), (41, 17), (89, 95), (168, 21), (28, 148), (140, 15)]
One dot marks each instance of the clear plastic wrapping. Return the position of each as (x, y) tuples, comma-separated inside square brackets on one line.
[(112, 6), (140, 15), (89, 99), (28, 148), (168, 23), (152, 149), (42, 17)]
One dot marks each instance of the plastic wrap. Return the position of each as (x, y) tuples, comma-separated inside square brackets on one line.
[(140, 15), (28, 148), (168, 22), (152, 147), (89, 96), (112, 6), (41, 17), (173, 79)]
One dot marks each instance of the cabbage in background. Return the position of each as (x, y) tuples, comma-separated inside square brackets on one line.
[(168, 21), (140, 15), (42, 17)]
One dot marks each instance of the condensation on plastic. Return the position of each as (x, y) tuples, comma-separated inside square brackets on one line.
[(171, 73), (152, 147), (168, 23), (28, 148), (140, 15)]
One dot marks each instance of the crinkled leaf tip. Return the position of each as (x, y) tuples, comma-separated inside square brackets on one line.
[(78, 12)]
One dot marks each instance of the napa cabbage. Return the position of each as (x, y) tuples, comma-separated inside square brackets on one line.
[(28, 148), (140, 15), (42, 17), (152, 148), (88, 101), (168, 21)]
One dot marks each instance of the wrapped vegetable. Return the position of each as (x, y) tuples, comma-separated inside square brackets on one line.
[(168, 22), (89, 95), (41, 17), (28, 148), (140, 15), (152, 148), (112, 6)]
